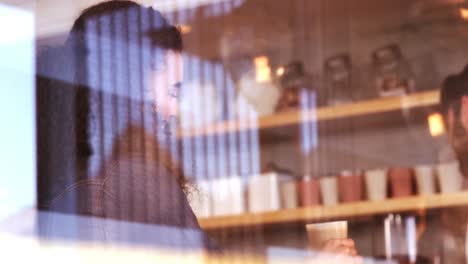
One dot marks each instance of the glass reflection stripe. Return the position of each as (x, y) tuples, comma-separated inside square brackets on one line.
[(221, 142), (112, 69), (117, 48), (207, 81), (107, 90), (143, 59), (173, 142), (254, 145), (187, 156), (93, 81), (100, 113), (199, 141), (308, 125), (196, 73), (232, 140), (187, 146), (243, 135)]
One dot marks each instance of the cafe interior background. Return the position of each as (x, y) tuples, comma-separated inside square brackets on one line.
[(293, 113)]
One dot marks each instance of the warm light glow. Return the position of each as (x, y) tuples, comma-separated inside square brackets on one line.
[(262, 69), (436, 124), (185, 29), (464, 13), (280, 71)]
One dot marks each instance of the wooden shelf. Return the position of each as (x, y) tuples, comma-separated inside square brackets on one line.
[(343, 211), (375, 106)]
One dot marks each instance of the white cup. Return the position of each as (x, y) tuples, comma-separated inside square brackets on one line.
[(329, 191), (450, 177), (376, 184), (288, 195), (319, 234), (425, 179)]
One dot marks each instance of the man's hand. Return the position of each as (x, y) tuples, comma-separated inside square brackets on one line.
[(339, 251), (340, 247)]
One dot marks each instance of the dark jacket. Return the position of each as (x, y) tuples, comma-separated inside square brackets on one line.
[(134, 185)]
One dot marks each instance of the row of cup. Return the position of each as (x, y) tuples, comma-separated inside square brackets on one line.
[(422, 180), (234, 195), (274, 191), (329, 190), (379, 184)]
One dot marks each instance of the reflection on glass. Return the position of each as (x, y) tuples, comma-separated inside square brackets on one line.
[(177, 128)]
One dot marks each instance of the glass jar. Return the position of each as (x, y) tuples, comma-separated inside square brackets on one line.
[(392, 73)]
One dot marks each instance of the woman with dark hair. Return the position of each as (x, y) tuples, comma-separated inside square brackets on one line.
[(107, 148)]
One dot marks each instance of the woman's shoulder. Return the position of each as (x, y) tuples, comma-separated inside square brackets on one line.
[(82, 198)]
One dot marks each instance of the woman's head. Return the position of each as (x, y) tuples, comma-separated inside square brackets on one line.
[(124, 48), (114, 48)]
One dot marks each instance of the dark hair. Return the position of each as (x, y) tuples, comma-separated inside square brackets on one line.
[(68, 65), (454, 88), (160, 33)]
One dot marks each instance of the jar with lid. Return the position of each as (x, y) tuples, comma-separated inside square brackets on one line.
[(392, 73), (341, 80)]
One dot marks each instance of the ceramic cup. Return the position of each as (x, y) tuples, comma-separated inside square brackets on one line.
[(376, 184), (288, 195), (401, 181), (308, 192), (450, 177), (329, 191), (425, 179), (350, 187)]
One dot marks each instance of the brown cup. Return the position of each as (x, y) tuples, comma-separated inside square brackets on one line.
[(350, 187), (308, 191), (401, 181)]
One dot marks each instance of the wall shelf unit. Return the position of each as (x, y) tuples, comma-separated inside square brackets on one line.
[(287, 123), (342, 211)]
